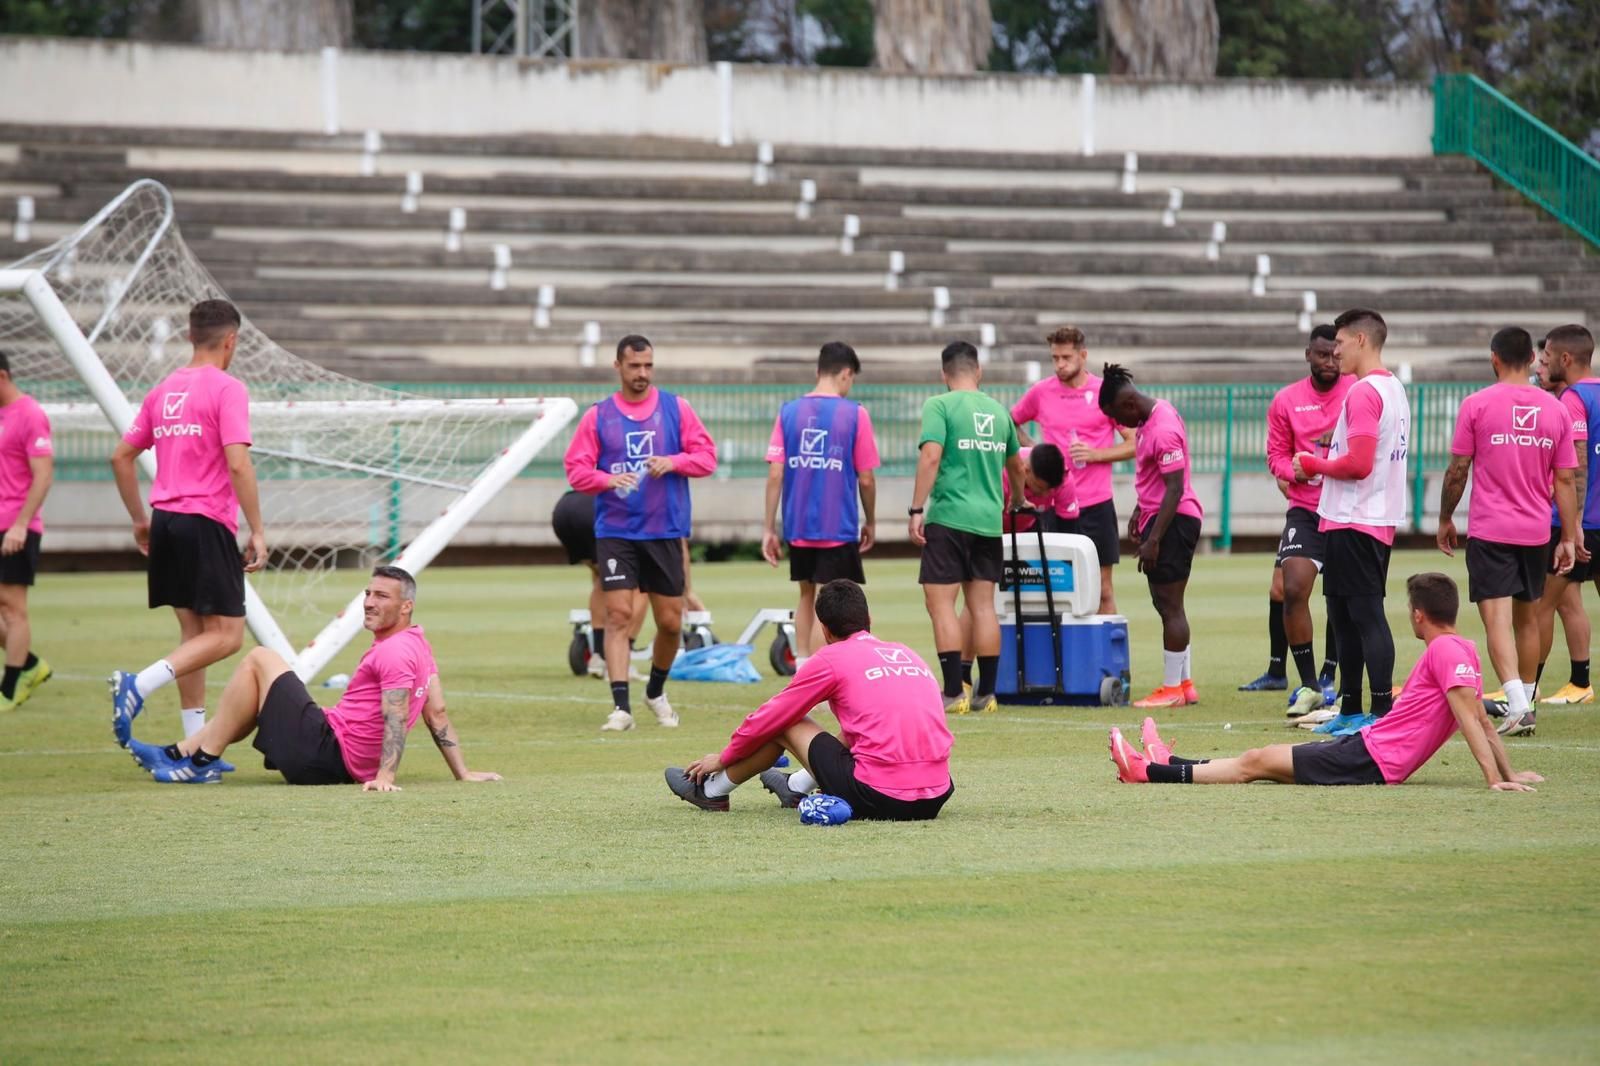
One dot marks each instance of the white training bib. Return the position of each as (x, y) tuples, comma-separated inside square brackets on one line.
[(1382, 498)]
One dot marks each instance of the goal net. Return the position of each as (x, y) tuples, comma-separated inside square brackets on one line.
[(351, 474)]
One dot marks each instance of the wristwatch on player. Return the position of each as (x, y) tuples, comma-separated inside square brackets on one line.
[(914, 510)]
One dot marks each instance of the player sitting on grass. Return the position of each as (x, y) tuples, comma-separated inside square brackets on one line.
[(1443, 693), (893, 761), (360, 739)]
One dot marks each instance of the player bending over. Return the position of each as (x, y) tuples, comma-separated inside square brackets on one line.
[(360, 739), (1165, 523), (892, 758), (1442, 694)]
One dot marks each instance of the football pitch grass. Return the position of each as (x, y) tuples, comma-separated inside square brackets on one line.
[(578, 912)]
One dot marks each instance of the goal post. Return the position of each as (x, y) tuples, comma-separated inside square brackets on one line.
[(351, 473)]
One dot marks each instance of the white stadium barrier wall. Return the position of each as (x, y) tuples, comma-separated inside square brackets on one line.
[(107, 83)]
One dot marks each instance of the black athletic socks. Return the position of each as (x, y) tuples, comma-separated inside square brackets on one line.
[(1580, 673), (966, 671), (1538, 676), (1382, 703), (619, 696), (173, 753), (1350, 703), (950, 669), (30, 662), (202, 758), (1305, 661), (8, 686), (1178, 773), (598, 647), (657, 683), (988, 670), (1176, 761), (1277, 638)]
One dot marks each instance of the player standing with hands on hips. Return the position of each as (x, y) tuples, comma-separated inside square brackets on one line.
[(635, 451)]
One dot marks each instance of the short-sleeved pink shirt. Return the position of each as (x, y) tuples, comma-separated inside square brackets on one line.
[(189, 419), (402, 660), (24, 435)]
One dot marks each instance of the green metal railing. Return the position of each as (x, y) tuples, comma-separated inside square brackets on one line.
[(1227, 428), (1471, 117)]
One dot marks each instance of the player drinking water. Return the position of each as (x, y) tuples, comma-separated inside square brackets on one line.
[(1165, 523), (821, 457), (1364, 498)]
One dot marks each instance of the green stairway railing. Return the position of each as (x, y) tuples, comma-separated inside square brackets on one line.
[(1472, 118)]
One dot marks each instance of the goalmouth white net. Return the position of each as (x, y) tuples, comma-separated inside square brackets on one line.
[(351, 474)]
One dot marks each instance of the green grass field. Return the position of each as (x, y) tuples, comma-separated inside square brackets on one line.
[(577, 912)]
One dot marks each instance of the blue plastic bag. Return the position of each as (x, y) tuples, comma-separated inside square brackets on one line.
[(823, 809), (718, 662)]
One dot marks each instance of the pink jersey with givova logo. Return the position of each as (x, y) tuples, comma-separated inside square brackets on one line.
[(1162, 446), (400, 660), (189, 419), (1301, 419), (1421, 721), (890, 712), (24, 435), (1517, 437)]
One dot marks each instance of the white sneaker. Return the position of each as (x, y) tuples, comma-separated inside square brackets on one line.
[(597, 666), (618, 721), (666, 717)]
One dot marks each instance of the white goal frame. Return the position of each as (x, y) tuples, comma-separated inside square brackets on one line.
[(549, 417)]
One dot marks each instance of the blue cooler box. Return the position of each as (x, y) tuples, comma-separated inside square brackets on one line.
[(1094, 660)]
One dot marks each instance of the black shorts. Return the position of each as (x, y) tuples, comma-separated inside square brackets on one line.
[(1301, 537), (195, 564), (573, 524), (1497, 570), (1580, 572), (1099, 523), (835, 770), (1175, 558), (1354, 564), (1050, 522), (295, 739), (648, 565), (822, 565), (1343, 761), (19, 569), (953, 556)]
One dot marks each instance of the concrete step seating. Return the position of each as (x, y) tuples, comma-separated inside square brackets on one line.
[(1202, 271)]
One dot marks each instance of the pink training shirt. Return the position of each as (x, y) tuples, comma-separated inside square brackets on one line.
[(1517, 436), (24, 435), (866, 457), (890, 712), (698, 458), (189, 419), (1066, 414), (1421, 720), (1161, 447), (401, 660), (1301, 419), (1063, 499)]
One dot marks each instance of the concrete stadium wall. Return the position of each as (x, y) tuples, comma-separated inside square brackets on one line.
[(75, 82)]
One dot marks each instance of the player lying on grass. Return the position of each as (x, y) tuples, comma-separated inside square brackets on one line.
[(360, 739), (1443, 693), (893, 761)]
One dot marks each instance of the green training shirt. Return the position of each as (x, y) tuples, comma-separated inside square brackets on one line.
[(978, 437)]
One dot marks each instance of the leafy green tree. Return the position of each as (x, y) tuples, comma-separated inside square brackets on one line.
[(1296, 39), (846, 26), (1046, 37)]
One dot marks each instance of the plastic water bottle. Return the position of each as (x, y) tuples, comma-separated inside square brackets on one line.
[(337, 681), (1072, 438)]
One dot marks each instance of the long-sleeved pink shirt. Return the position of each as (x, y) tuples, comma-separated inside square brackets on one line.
[(697, 459), (890, 712)]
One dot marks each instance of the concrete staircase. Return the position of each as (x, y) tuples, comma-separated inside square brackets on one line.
[(677, 240)]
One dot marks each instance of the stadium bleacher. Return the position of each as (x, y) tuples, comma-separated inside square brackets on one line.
[(681, 240)]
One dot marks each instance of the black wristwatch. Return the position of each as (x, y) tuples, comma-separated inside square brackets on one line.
[(914, 510)]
